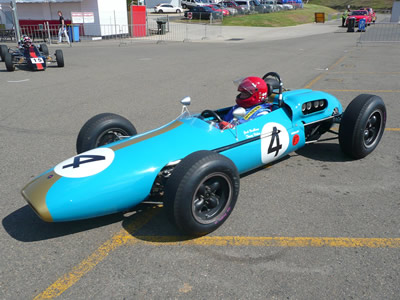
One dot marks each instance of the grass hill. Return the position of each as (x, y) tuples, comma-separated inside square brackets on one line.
[(354, 4)]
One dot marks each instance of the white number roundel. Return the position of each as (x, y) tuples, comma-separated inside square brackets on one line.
[(274, 142), (86, 164)]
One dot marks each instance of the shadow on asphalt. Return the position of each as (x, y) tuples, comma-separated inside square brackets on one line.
[(328, 152), (25, 226)]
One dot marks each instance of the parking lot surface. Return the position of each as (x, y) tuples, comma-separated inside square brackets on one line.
[(315, 225)]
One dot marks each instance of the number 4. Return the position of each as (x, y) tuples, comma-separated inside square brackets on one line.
[(272, 148)]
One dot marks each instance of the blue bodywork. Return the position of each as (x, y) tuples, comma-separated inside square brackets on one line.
[(138, 160)]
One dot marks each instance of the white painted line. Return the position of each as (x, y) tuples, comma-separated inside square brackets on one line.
[(16, 81)]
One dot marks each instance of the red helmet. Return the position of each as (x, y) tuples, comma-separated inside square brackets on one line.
[(253, 91)]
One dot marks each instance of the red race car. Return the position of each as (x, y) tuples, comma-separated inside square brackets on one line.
[(358, 15)]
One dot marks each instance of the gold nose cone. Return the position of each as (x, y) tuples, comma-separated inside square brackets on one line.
[(35, 193)]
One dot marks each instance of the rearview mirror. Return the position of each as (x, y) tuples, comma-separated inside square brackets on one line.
[(186, 101)]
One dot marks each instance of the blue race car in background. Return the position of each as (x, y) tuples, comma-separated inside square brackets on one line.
[(192, 163), (35, 58)]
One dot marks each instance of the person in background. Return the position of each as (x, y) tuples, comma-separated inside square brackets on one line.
[(63, 29), (345, 15)]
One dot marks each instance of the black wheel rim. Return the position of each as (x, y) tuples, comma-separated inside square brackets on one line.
[(111, 136), (211, 198), (373, 128)]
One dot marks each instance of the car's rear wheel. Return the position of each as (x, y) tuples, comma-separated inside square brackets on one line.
[(59, 58), (178, 11), (44, 49), (184, 6), (103, 129), (160, 11), (201, 192), (9, 63), (3, 51), (362, 125)]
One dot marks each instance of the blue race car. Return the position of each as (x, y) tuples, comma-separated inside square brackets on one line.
[(197, 171), (28, 54)]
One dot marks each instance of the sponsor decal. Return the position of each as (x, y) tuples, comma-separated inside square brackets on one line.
[(252, 112), (86, 164), (252, 132)]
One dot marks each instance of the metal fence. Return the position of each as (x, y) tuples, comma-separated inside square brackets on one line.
[(157, 29), (381, 33)]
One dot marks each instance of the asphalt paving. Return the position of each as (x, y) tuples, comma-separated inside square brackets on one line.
[(314, 194)]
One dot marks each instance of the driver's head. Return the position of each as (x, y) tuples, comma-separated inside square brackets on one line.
[(253, 91), (27, 41)]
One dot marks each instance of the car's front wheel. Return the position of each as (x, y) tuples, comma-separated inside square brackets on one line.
[(201, 192), (362, 125), (103, 129), (3, 51), (44, 49), (178, 11), (60, 58), (9, 63)]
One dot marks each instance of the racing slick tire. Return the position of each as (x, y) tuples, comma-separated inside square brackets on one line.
[(362, 125), (9, 63), (103, 129), (44, 49), (3, 51), (59, 58), (201, 192)]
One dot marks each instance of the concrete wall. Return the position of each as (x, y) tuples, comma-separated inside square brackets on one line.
[(395, 17)]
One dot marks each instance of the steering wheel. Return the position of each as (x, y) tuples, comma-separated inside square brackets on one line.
[(210, 113)]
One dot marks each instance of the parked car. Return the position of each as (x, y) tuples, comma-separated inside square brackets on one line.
[(270, 5), (194, 3), (233, 4), (215, 7), (252, 5), (167, 8), (232, 11), (203, 13), (357, 15)]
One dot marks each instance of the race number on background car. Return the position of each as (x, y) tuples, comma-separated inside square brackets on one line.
[(37, 60)]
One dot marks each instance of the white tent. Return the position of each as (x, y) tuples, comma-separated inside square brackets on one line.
[(110, 17)]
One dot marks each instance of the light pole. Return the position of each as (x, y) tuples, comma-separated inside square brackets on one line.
[(16, 21)]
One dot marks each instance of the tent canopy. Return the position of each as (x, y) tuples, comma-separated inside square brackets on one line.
[(39, 1)]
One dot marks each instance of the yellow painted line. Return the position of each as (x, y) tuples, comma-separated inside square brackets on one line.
[(363, 91), (312, 82), (337, 62), (316, 79), (119, 239), (335, 242)]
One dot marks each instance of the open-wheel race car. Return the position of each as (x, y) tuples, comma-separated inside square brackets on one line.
[(193, 163), (36, 58)]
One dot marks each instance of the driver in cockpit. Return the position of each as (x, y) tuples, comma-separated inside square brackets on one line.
[(252, 97)]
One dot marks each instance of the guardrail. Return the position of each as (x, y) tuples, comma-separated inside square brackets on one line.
[(381, 33)]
